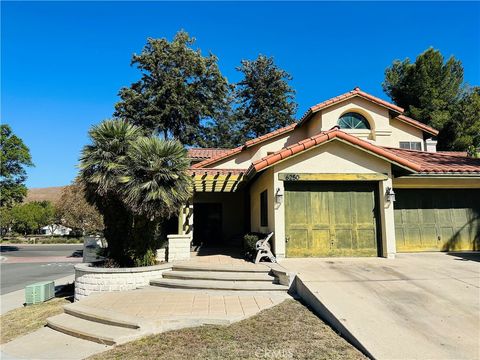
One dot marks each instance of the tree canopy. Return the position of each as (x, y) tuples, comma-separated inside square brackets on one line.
[(14, 157), (266, 100), (179, 88), (432, 90), (76, 213), (427, 88)]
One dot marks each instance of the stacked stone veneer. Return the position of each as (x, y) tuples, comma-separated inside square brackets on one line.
[(90, 280), (179, 247)]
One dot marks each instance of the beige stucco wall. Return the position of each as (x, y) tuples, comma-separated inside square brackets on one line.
[(333, 157), (245, 158), (262, 183), (405, 132), (384, 131)]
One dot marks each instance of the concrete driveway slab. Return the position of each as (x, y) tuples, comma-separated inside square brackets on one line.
[(418, 306)]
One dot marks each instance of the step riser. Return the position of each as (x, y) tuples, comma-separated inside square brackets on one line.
[(166, 275), (93, 318), (213, 269), (213, 287), (70, 332)]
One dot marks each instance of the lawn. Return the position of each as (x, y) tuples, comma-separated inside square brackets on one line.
[(24, 320), (287, 331)]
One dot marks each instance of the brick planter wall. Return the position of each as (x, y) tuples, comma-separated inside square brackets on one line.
[(89, 279)]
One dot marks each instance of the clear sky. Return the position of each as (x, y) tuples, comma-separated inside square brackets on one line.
[(64, 62)]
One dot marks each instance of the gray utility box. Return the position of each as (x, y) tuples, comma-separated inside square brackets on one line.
[(39, 292)]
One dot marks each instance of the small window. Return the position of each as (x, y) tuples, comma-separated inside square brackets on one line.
[(411, 145), (264, 208), (353, 120)]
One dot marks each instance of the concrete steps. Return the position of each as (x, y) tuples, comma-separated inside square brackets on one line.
[(92, 330), (232, 277), (250, 268), (218, 285), (217, 275)]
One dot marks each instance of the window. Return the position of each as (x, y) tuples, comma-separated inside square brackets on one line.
[(264, 208), (411, 145), (353, 120)]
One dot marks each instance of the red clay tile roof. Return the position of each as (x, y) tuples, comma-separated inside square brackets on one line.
[(205, 153), (350, 94), (325, 137), (418, 124), (360, 93), (438, 162), (453, 153), (248, 144), (226, 153)]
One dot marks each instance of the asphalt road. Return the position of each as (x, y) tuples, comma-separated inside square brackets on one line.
[(26, 264)]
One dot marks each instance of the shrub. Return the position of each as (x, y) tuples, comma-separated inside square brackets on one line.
[(249, 243)]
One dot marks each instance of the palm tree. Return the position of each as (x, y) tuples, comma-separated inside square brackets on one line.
[(137, 183), (101, 165), (155, 185)]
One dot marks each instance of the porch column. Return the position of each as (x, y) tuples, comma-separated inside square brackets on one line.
[(185, 219), (389, 246)]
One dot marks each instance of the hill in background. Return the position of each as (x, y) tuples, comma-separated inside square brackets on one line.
[(52, 194)]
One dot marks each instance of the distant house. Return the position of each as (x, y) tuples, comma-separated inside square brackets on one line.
[(56, 229)]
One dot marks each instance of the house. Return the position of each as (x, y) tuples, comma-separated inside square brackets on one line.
[(353, 177), (55, 229)]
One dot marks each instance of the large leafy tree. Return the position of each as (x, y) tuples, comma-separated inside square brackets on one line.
[(179, 88), (75, 212), (136, 182), (427, 88), (462, 131), (265, 98), (14, 157)]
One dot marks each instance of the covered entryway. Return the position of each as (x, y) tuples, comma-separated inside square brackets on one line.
[(437, 219), (331, 219)]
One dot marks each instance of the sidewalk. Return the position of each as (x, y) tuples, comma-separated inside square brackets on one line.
[(16, 299)]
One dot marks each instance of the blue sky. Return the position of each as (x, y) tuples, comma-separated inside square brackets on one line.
[(64, 62)]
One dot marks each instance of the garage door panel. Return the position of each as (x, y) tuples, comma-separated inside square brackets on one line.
[(343, 239), (342, 208), (300, 243), (447, 219), (319, 208), (320, 241), (366, 239), (299, 207), (429, 236), (340, 219)]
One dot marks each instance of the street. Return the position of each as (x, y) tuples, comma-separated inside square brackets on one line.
[(22, 265)]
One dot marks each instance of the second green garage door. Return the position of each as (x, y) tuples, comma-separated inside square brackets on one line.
[(331, 219), (437, 220)]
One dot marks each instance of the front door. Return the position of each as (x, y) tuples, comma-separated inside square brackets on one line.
[(331, 219), (207, 220)]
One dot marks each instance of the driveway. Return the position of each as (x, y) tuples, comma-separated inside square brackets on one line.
[(418, 306)]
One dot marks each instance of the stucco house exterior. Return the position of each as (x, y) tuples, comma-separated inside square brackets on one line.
[(353, 177)]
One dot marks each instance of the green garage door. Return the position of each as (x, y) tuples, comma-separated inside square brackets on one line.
[(330, 219), (437, 220)]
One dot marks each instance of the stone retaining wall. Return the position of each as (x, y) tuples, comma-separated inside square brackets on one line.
[(89, 279)]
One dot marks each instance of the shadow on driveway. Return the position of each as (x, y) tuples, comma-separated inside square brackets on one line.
[(466, 256)]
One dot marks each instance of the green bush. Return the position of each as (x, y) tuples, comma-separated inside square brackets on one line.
[(249, 242)]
